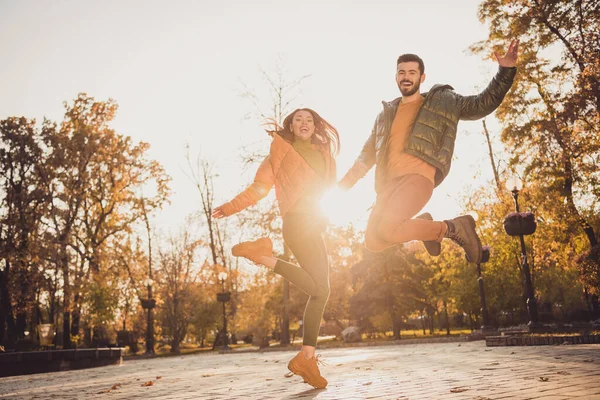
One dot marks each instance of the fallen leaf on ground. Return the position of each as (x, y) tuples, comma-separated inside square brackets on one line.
[(558, 358), (289, 375), (269, 379), (367, 384), (115, 387), (458, 390), (206, 376), (158, 377), (149, 383), (544, 379), (512, 352)]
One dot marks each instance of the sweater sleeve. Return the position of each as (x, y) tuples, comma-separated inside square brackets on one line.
[(263, 182)]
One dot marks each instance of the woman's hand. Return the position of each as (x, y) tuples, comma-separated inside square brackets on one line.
[(219, 212)]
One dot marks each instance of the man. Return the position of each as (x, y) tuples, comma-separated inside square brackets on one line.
[(411, 144)]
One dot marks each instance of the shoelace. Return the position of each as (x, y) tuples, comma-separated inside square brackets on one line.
[(456, 238), (319, 361)]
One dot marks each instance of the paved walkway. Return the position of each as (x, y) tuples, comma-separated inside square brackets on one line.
[(425, 371)]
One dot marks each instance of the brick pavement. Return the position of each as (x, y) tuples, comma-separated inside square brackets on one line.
[(467, 370)]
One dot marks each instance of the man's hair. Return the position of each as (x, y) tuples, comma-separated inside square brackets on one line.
[(412, 58)]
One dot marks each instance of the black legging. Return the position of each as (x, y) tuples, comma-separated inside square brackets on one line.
[(303, 235)]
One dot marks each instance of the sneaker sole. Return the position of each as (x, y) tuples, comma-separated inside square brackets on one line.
[(433, 248), (474, 225), (298, 372), (237, 251)]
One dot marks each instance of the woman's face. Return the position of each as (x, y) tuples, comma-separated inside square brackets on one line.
[(303, 125)]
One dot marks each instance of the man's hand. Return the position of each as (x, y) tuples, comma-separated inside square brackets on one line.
[(341, 186), (510, 58)]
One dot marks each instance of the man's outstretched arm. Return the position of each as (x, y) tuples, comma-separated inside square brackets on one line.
[(364, 162), (484, 103)]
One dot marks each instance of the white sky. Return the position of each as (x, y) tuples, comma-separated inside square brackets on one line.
[(175, 70)]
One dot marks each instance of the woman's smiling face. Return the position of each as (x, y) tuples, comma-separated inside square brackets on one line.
[(303, 125)]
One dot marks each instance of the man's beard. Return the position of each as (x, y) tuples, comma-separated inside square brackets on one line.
[(410, 90)]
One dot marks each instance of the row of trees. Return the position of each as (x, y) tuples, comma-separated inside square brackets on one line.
[(70, 193)]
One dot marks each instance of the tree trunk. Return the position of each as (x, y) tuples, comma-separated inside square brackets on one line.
[(285, 312), (285, 316), (492, 161), (447, 318), (396, 326), (76, 316), (175, 343), (66, 298), (21, 324), (430, 314), (4, 306), (8, 330)]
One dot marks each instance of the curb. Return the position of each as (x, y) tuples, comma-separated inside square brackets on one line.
[(497, 341)]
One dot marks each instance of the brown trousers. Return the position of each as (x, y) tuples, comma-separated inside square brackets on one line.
[(391, 220)]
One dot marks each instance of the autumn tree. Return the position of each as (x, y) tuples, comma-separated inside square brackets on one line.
[(177, 272), (23, 201), (551, 116)]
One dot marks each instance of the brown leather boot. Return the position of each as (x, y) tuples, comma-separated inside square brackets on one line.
[(433, 248), (462, 231), (254, 250), (308, 370)]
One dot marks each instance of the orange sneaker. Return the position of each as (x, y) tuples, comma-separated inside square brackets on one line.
[(254, 250), (308, 370)]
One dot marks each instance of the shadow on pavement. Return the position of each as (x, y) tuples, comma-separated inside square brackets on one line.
[(307, 394)]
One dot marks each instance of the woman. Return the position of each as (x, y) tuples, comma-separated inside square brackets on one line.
[(301, 166)]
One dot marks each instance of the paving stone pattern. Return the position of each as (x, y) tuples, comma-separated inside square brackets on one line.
[(467, 370)]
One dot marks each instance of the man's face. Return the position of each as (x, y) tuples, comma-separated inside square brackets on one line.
[(409, 78)]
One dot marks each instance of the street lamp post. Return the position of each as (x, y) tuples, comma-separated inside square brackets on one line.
[(486, 328), (149, 304), (514, 185), (224, 297)]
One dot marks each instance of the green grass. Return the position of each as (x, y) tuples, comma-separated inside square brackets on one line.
[(418, 333), (187, 348)]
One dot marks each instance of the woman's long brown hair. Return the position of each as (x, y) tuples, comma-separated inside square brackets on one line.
[(325, 134)]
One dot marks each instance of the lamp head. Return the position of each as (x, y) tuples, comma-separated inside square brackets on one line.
[(514, 184)]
